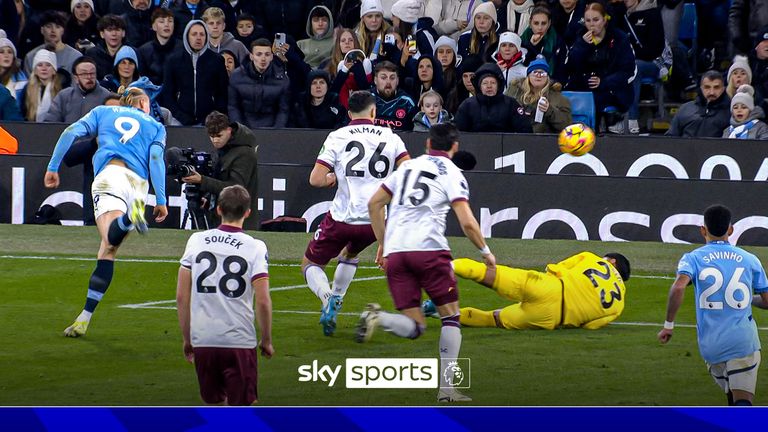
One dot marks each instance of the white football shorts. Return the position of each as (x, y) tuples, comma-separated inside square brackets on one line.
[(115, 187), (737, 374)]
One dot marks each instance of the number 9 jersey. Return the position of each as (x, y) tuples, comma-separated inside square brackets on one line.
[(224, 263), (361, 155), (724, 278)]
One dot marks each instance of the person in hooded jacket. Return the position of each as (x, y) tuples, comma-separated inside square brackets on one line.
[(259, 90), (490, 110), (317, 48), (125, 70), (219, 39), (154, 54), (186, 11), (318, 108), (138, 21), (195, 79)]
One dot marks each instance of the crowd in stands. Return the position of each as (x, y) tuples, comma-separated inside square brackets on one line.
[(487, 66)]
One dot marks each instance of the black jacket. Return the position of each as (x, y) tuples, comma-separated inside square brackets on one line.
[(194, 84), (182, 16), (259, 100), (236, 165), (642, 27), (232, 13), (698, 119), (153, 58), (612, 60), (286, 16), (330, 114), (104, 61), (499, 113), (139, 26), (74, 31), (569, 25)]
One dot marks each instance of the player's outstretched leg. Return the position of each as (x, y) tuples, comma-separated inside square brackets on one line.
[(136, 216), (367, 323), (395, 323), (317, 281), (97, 286), (472, 317)]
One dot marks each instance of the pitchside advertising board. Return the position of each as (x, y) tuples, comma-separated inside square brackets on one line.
[(628, 188)]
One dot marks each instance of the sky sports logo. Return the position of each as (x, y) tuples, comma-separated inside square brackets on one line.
[(391, 373)]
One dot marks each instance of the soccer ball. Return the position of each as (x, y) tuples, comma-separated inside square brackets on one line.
[(577, 139)]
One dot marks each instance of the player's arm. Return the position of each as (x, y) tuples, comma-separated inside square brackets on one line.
[(760, 300), (380, 199), (85, 127), (676, 294), (471, 229), (321, 176), (263, 307), (157, 175), (183, 299)]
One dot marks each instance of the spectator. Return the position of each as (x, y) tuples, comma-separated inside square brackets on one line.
[(431, 112), (568, 20), (490, 110), (712, 22), (195, 79), (739, 74), (9, 110), (519, 15), (642, 23), (10, 19), (481, 40), (69, 106), (601, 61), (138, 22), (428, 76), (234, 9), (284, 16), (541, 39), (394, 108), (112, 31), (246, 29), (408, 20), (52, 27), (82, 31), (746, 118), (371, 27), (451, 17), (346, 12), (259, 90), (464, 88), (745, 19), (124, 72), (186, 11), (230, 61), (509, 57), (759, 61), (538, 92), (706, 116), (11, 75), (318, 108), (219, 39), (154, 54), (44, 84), (445, 53), (317, 49), (348, 73)]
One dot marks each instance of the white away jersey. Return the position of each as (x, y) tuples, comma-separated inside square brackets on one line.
[(422, 191), (362, 156), (224, 262)]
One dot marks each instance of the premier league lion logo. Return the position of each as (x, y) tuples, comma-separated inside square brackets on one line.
[(453, 375)]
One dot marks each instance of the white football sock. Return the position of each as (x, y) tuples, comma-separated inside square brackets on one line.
[(343, 276), (397, 324), (84, 316), (450, 344), (318, 283)]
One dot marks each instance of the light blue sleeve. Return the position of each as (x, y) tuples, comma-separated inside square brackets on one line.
[(85, 127), (685, 266), (759, 281), (157, 171)]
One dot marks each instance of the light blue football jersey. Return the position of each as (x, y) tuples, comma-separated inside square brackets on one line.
[(724, 278), (124, 133)]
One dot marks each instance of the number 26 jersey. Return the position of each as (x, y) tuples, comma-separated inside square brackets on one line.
[(361, 155)]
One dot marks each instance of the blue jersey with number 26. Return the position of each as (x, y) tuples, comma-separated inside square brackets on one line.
[(724, 279)]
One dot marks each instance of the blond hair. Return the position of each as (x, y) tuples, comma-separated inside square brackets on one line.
[(529, 95), (131, 96), (430, 93), (34, 90), (367, 39), (213, 13), (336, 55)]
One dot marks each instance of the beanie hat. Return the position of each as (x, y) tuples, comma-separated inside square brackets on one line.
[(3, 34), (408, 11), (370, 6), (740, 62), (77, 2), (46, 56), (744, 95), (510, 37), (5, 42), (126, 52), (538, 64), (447, 41), (487, 8)]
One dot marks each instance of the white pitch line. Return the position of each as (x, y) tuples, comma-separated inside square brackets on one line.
[(134, 260)]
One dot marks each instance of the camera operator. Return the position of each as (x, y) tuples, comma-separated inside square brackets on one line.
[(236, 150)]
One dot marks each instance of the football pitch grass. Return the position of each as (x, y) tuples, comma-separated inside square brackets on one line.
[(132, 353)]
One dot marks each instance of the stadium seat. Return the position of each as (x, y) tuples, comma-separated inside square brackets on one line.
[(689, 30), (582, 107)]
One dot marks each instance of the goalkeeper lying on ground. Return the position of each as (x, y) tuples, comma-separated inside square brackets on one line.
[(584, 290)]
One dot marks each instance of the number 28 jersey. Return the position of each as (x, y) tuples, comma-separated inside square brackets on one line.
[(224, 263), (724, 278), (422, 190), (361, 155)]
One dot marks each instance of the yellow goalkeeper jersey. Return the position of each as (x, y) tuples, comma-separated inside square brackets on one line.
[(593, 290)]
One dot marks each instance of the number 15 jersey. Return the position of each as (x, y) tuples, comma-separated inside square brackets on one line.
[(224, 263), (361, 155)]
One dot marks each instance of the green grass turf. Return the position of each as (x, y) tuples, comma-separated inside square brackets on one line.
[(133, 356)]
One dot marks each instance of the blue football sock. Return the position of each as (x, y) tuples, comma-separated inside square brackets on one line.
[(97, 286), (118, 229)]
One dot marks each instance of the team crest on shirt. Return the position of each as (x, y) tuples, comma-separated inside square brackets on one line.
[(520, 110), (400, 113)]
